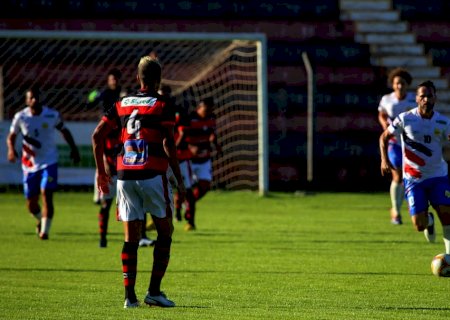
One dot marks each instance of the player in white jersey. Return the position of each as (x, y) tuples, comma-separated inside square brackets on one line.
[(37, 124), (391, 105), (423, 133)]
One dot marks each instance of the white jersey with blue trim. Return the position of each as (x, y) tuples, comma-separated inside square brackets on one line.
[(392, 106), (422, 142), (38, 137)]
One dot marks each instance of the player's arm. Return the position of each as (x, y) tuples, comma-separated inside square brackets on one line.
[(180, 136), (396, 127), (383, 119), (213, 140), (386, 165), (67, 135), (171, 152), (98, 138), (11, 142)]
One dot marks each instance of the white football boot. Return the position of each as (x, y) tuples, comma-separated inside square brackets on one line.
[(160, 300)]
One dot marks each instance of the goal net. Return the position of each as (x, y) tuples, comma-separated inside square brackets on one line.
[(67, 66)]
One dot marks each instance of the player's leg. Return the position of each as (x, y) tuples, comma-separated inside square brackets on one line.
[(178, 206), (145, 240), (190, 210), (130, 211), (103, 218), (396, 188), (161, 253), (443, 212), (132, 231), (31, 189), (203, 174), (187, 174), (158, 200), (49, 183), (202, 187), (440, 199), (417, 197), (106, 201)]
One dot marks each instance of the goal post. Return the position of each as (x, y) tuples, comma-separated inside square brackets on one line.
[(230, 67)]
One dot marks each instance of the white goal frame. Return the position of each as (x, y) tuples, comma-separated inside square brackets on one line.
[(262, 87)]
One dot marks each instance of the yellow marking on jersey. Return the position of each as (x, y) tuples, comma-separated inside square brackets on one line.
[(437, 132), (45, 125), (447, 194)]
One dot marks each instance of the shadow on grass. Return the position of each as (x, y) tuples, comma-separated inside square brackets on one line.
[(76, 234), (219, 271), (56, 270), (415, 308)]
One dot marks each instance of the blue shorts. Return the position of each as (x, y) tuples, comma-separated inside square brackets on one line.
[(45, 179), (434, 191), (395, 155)]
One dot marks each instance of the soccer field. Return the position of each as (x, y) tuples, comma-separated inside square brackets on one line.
[(326, 256)]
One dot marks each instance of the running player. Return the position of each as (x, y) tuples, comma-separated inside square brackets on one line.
[(37, 124), (145, 121), (199, 136), (391, 105), (423, 133)]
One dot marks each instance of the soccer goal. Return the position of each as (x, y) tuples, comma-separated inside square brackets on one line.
[(231, 67)]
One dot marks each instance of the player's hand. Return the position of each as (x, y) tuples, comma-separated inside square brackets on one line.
[(193, 149), (103, 182), (107, 167), (75, 156), (12, 155), (386, 167)]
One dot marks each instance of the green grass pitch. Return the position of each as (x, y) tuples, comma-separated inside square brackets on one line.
[(326, 256)]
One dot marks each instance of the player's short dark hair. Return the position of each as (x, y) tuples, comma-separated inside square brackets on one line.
[(35, 91), (208, 101), (149, 70), (427, 84), (400, 72), (115, 72)]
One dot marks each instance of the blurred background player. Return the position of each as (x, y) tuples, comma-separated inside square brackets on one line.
[(200, 136), (106, 98), (391, 105), (184, 156), (423, 132), (37, 124), (146, 125), (106, 199)]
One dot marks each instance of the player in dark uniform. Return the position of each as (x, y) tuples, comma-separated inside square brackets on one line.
[(200, 136), (145, 121)]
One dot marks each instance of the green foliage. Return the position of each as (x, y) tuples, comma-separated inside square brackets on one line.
[(327, 256)]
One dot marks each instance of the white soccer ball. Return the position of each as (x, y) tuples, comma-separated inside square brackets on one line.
[(440, 266)]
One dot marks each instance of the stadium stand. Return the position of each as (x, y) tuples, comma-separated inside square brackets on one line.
[(351, 46)]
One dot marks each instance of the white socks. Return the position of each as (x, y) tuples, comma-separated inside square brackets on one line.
[(46, 223), (396, 192), (446, 230)]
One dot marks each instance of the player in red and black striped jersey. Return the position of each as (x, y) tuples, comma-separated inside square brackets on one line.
[(199, 136), (145, 121), (184, 156)]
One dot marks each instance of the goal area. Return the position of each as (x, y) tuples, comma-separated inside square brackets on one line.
[(230, 67)]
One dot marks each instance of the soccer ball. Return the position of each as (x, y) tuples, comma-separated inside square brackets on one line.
[(440, 266)]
